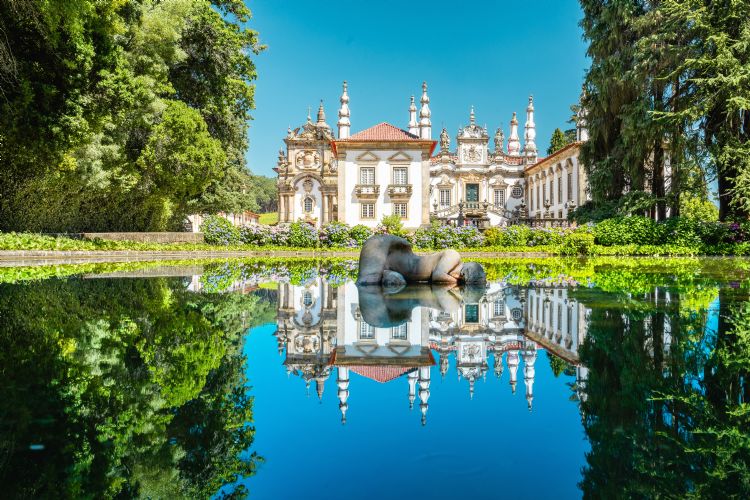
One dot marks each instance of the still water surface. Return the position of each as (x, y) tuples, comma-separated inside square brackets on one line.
[(300, 385)]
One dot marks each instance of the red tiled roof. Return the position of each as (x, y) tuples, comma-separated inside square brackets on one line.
[(380, 373), (383, 132)]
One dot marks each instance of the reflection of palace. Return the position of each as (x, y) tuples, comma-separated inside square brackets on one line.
[(322, 327)]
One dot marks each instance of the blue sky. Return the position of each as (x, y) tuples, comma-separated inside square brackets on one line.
[(490, 54)]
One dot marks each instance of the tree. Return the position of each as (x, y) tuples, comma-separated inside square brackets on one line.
[(557, 142), (86, 88)]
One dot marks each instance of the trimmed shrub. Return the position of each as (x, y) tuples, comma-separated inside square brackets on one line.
[(577, 243), (626, 230), (546, 236), (391, 224), (219, 231), (336, 234), (681, 231), (303, 235), (360, 233)]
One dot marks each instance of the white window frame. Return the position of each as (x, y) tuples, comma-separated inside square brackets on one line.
[(396, 211), (365, 331), (398, 172), (367, 174), (499, 198), (304, 204), (362, 211), (400, 332), (444, 201)]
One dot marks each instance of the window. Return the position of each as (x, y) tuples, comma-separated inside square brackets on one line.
[(400, 210), (499, 198), (516, 192), (570, 186), (307, 299), (308, 204), (570, 320), (368, 210), (400, 332), (552, 190), (559, 189), (559, 316), (366, 332), (499, 308), (445, 198), (538, 203), (472, 192), (400, 175), (544, 194), (471, 313), (531, 199), (367, 175)]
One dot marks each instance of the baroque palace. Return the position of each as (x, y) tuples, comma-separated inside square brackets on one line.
[(385, 170)]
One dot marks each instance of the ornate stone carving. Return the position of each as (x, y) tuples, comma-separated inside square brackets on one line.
[(307, 159), (307, 185), (472, 154)]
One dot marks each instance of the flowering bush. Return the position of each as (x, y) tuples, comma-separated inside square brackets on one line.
[(280, 235), (336, 234), (468, 237), (435, 236), (547, 236), (219, 231), (517, 235), (302, 234), (360, 233), (256, 234), (438, 236)]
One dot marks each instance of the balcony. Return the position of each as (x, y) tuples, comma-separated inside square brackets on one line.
[(400, 191), (367, 191)]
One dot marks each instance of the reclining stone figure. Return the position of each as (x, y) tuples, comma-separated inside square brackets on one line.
[(389, 261)]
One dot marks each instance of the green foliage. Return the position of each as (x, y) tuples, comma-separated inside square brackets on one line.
[(303, 235), (577, 243), (627, 230), (392, 224), (517, 235), (360, 233), (219, 231), (135, 390), (125, 115), (695, 207), (557, 142)]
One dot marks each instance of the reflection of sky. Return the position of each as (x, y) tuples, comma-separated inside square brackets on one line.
[(488, 447)]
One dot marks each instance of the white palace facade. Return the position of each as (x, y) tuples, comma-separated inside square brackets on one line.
[(385, 170)]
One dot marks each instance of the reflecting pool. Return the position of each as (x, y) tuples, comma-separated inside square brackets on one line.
[(286, 380)]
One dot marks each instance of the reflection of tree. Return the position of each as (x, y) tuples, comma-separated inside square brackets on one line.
[(666, 408), (133, 387)]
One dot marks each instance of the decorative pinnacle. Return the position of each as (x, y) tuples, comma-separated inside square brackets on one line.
[(321, 113), (309, 113), (514, 120), (471, 115)]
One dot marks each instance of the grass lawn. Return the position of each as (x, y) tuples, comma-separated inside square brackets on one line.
[(269, 218)]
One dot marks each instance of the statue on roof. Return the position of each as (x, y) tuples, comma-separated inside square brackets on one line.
[(445, 141), (499, 140)]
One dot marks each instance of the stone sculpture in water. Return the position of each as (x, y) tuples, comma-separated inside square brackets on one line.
[(389, 261)]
